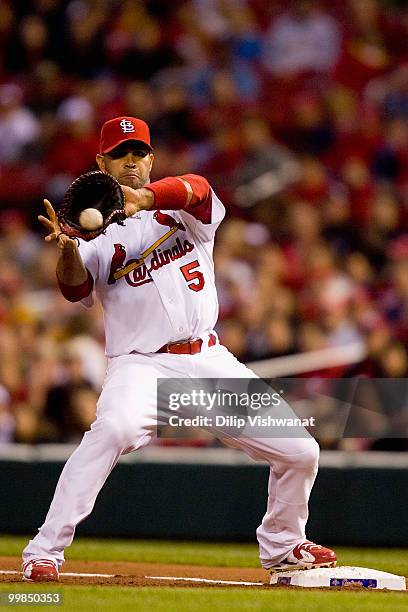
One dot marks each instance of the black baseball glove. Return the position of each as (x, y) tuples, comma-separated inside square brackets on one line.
[(91, 190)]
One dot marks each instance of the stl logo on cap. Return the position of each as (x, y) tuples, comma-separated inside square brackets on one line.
[(119, 129), (127, 126)]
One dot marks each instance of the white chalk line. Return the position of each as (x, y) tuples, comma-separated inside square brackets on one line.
[(237, 582), (88, 575)]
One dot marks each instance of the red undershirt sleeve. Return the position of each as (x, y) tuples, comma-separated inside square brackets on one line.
[(75, 293), (189, 192)]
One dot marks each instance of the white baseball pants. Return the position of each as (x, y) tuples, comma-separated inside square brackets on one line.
[(126, 421)]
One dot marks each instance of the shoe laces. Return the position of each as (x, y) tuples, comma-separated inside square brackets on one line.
[(309, 546), (45, 562)]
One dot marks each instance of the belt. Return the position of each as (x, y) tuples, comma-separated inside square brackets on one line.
[(189, 347)]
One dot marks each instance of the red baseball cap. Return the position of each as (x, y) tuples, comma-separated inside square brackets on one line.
[(120, 129)]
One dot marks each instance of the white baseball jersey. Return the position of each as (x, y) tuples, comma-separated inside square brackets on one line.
[(155, 279)]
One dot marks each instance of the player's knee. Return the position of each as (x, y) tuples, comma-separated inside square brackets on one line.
[(304, 454), (312, 454), (117, 433), (309, 457)]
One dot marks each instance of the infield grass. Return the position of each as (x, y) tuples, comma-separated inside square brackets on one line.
[(165, 599), (205, 599)]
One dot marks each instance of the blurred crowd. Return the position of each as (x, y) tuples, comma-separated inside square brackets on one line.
[(297, 113)]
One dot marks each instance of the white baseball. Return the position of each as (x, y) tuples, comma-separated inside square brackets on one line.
[(91, 219)]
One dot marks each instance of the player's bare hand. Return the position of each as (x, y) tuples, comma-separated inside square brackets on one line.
[(52, 226), (137, 199)]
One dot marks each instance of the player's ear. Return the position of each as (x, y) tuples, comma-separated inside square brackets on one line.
[(151, 161), (100, 160)]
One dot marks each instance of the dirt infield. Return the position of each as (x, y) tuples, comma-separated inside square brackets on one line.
[(137, 574), (107, 573)]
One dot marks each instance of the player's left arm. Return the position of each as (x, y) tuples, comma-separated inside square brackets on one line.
[(189, 193)]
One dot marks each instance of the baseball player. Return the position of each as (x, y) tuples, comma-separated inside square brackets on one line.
[(154, 277)]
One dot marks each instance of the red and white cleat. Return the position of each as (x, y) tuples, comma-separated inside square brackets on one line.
[(40, 570), (306, 556)]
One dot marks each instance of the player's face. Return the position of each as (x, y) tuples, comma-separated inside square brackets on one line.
[(130, 163)]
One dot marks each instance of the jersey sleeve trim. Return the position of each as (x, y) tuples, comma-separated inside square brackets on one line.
[(201, 204), (189, 190), (75, 293)]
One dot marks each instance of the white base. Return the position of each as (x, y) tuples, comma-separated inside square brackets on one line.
[(342, 577)]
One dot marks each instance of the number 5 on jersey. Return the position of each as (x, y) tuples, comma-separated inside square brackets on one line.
[(195, 278)]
